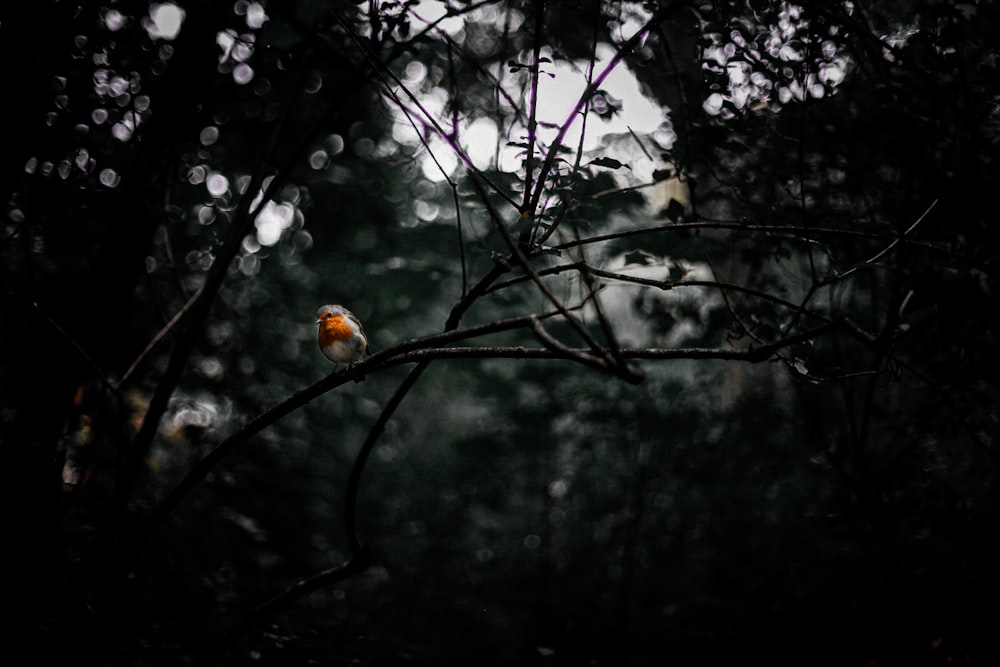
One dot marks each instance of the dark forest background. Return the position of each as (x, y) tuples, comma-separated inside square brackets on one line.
[(707, 372)]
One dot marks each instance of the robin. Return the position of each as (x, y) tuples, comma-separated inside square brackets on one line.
[(340, 336)]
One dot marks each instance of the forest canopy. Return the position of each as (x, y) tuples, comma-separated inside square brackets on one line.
[(681, 324)]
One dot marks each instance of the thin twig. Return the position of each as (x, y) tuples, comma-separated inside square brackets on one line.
[(886, 250), (518, 252), (160, 335), (791, 230), (75, 344), (660, 284)]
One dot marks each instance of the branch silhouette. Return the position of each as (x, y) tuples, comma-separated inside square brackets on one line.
[(792, 231), (360, 555), (194, 316), (403, 353)]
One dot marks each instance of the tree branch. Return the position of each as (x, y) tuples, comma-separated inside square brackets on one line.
[(791, 230), (380, 360)]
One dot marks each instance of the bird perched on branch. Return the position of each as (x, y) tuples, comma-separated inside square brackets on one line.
[(340, 336)]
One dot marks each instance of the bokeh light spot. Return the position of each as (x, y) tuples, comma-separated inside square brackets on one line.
[(242, 73), (109, 178), (217, 184), (164, 21), (209, 135)]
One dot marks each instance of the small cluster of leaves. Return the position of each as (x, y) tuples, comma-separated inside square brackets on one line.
[(515, 66)]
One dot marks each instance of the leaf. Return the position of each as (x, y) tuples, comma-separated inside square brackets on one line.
[(639, 257), (675, 210), (608, 162), (799, 367)]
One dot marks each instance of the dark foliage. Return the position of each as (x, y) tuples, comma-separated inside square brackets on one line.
[(682, 319)]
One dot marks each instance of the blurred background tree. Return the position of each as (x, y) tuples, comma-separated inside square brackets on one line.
[(722, 376)]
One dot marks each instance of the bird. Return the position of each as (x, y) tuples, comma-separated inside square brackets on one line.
[(341, 339)]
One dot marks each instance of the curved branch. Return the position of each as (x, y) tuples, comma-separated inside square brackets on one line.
[(387, 358), (416, 354), (360, 555), (522, 260), (663, 285), (518, 252), (354, 477), (357, 564), (889, 248), (791, 230)]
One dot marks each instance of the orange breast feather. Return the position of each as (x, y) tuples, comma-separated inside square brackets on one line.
[(334, 330)]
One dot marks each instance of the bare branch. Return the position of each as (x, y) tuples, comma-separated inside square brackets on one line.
[(160, 335), (662, 284), (886, 250), (584, 357), (374, 362), (357, 564), (793, 231), (518, 252)]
